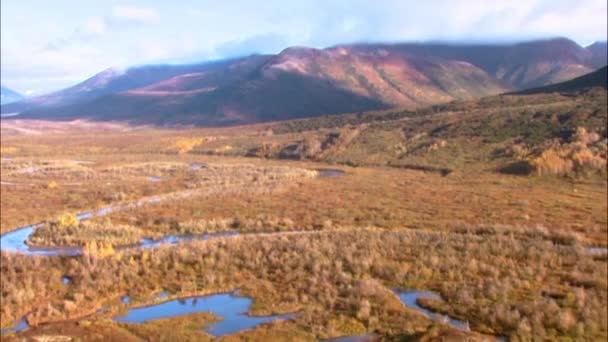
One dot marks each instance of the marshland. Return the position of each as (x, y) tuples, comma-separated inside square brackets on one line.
[(331, 245), (321, 170)]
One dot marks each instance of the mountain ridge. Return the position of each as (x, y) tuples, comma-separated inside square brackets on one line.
[(302, 81)]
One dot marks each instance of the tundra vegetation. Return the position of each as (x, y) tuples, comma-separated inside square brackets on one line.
[(491, 203)]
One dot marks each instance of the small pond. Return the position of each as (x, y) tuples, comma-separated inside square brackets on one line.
[(330, 172), (22, 325), (232, 311), (196, 166), (597, 250)]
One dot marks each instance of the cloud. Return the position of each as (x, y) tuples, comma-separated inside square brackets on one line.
[(153, 50), (137, 14), (87, 32), (262, 43), (50, 48), (123, 18), (95, 25)]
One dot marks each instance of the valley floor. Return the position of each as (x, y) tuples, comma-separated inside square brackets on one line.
[(509, 254)]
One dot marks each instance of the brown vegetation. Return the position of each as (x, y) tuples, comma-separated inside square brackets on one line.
[(506, 253), (344, 272), (80, 233)]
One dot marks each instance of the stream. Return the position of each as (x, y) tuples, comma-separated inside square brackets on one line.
[(410, 297), (14, 241)]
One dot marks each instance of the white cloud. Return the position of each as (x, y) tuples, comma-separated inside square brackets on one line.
[(153, 50), (95, 26), (54, 48), (138, 14)]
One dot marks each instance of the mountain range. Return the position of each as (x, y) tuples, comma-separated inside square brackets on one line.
[(300, 82), (8, 95)]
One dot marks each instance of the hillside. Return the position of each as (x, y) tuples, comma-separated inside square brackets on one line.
[(598, 50), (546, 133), (301, 82), (598, 78), (112, 81)]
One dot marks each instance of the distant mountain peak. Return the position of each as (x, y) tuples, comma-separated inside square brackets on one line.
[(102, 78)]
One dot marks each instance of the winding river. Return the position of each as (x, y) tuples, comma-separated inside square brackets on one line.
[(410, 299), (14, 241)]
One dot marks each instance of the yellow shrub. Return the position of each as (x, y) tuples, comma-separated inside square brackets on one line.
[(586, 158), (99, 249), (7, 149), (550, 162), (223, 149), (585, 137), (67, 220), (184, 145), (52, 185), (565, 159), (346, 326)]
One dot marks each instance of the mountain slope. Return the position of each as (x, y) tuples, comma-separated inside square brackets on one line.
[(8, 95), (521, 65), (599, 52), (111, 81), (298, 82), (598, 78), (301, 82)]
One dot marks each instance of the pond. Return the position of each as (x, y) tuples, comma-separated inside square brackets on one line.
[(330, 172), (196, 166), (22, 325), (597, 250), (231, 309)]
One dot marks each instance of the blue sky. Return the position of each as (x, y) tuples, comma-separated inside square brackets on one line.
[(48, 45)]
